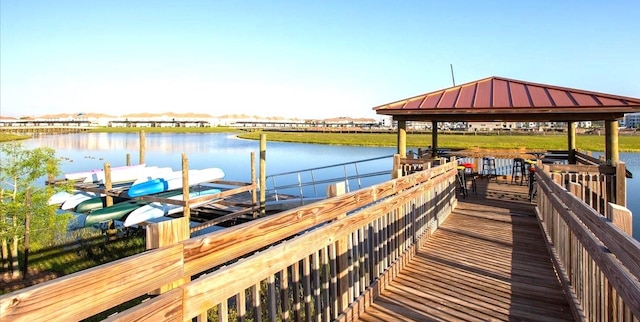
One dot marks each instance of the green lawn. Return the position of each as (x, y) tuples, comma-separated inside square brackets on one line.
[(538, 141), (593, 143)]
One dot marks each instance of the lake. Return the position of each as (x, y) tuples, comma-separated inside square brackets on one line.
[(224, 150)]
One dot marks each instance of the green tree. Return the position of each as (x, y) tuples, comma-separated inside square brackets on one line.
[(20, 169)]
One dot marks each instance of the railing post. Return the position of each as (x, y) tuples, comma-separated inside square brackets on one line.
[(342, 249), (621, 184), (168, 233), (263, 173), (397, 167), (621, 217)]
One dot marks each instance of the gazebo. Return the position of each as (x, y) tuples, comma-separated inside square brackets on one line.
[(503, 99)]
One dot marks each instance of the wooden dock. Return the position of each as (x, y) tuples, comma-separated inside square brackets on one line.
[(488, 261)]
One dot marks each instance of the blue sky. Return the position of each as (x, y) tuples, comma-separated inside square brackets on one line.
[(305, 59)]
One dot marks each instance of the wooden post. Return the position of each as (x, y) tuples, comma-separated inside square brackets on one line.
[(263, 174), (143, 146), (621, 217), (185, 187), (335, 189), (396, 172), (342, 248), (571, 141), (107, 184), (576, 190), (402, 138), (621, 184), (434, 139), (167, 233), (254, 194), (27, 232), (611, 141)]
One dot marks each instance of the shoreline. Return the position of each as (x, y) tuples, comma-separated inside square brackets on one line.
[(547, 141)]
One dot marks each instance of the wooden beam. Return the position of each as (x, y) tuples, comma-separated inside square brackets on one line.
[(611, 141), (263, 173), (571, 138), (434, 139), (534, 115), (143, 147), (402, 138)]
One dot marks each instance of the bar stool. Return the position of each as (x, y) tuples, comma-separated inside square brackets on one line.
[(489, 166), (469, 174), (533, 188), (518, 170), (460, 176)]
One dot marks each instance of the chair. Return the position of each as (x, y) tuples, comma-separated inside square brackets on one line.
[(489, 167), (518, 170), (462, 182), (533, 187), (469, 174)]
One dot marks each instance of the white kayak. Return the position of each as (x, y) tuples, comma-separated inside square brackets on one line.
[(159, 209), (77, 198), (59, 198), (84, 175), (128, 175)]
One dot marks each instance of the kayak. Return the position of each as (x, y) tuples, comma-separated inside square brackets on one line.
[(80, 196), (77, 198), (174, 181), (159, 209), (95, 203), (85, 174), (128, 175), (119, 210)]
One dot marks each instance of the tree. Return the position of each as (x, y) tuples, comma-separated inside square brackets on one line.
[(20, 169)]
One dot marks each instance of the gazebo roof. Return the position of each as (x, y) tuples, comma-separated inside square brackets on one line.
[(502, 99)]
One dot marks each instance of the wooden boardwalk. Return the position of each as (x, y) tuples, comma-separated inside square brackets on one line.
[(487, 262)]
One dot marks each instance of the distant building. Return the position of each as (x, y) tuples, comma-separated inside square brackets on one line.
[(632, 120)]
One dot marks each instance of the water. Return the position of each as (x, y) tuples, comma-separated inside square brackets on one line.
[(90, 151)]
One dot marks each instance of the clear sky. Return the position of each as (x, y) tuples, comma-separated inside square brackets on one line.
[(305, 59)]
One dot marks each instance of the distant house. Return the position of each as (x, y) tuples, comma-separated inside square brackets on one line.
[(632, 120)]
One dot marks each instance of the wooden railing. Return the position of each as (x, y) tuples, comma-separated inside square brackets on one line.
[(598, 263), (323, 261)]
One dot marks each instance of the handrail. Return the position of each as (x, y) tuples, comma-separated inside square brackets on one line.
[(584, 158), (298, 184), (286, 252), (599, 264)]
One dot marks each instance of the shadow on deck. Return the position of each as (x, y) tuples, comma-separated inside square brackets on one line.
[(488, 261)]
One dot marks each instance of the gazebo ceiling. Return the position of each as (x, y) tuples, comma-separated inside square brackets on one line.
[(502, 99)]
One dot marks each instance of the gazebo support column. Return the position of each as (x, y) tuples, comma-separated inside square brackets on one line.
[(402, 138), (434, 139), (571, 141), (611, 144)]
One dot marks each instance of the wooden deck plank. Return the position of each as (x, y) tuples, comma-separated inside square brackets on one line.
[(488, 261)]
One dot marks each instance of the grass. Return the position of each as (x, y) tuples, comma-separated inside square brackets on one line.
[(6, 137), (555, 141), (454, 141)]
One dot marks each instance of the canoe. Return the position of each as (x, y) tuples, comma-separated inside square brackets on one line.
[(174, 181), (119, 210), (81, 196), (95, 203), (128, 175), (84, 174), (77, 198), (59, 198), (159, 209)]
